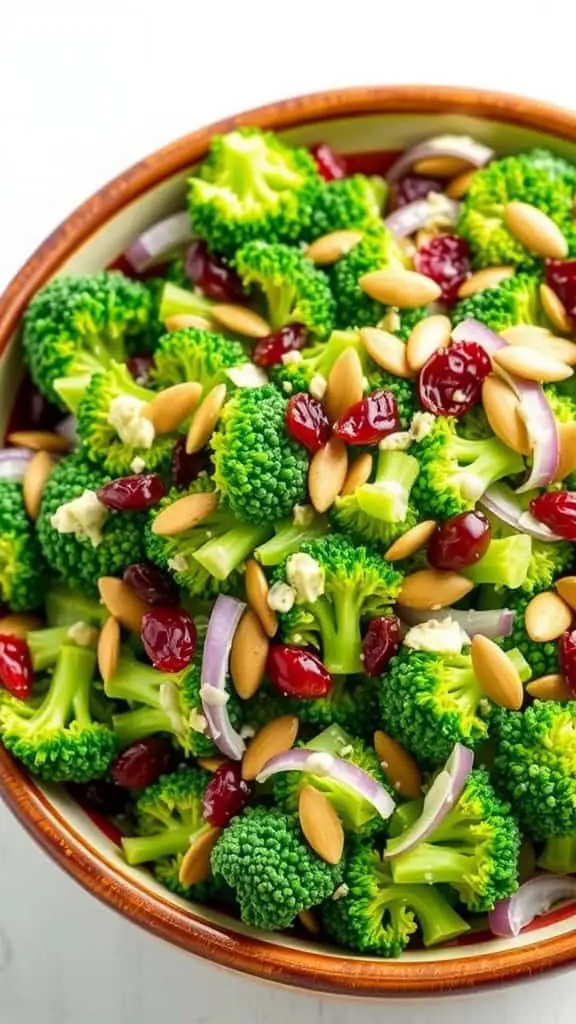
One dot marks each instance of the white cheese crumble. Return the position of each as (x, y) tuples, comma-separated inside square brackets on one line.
[(125, 415), (317, 386), (214, 697), (247, 731), (444, 636), (137, 464), (170, 705), (421, 425), (340, 892), (459, 395), (197, 722), (294, 356), (287, 386), (303, 515), (281, 597), (319, 763), (247, 375), (84, 516), (178, 563), (397, 442), (82, 634), (306, 576), (345, 751)]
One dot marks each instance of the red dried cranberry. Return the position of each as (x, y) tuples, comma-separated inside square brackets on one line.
[(381, 642), (141, 367), (143, 763), (186, 468), (450, 383), (269, 350), (561, 277), (226, 794), (102, 796), (412, 187), (16, 673), (132, 493), (212, 275), (35, 411), (169, 638), (369, 420), (557, 510), (567, 651), (446, 259), (307, 422), (295, 672), (460, 541), (151, 584), (331, 165)]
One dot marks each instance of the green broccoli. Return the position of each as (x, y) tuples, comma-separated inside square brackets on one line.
[(173, 300), (506, 563), (191, 354), (352, 704), (22, 567), (377, 250), (559, 855), (380, 511), (514, 301), (353, 202), (288, 537), (45, 644), (65, 607), (562, 405), (542, 658), (474, 426)]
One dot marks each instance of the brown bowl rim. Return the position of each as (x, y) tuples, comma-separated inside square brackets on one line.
[(252, 954)]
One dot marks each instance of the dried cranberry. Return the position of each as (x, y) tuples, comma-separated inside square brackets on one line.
[(186, 468), (143, 763), (102, 796), (331, 165), (298, 673), (169, 638), (307, 422), (381, 642), (450, 383), (446, 259), (35, 411), (132, 493), (212, 275), (16, 673), (460, 541), (557, 510), (561, 277), (226, 794), (369, 420), (141, 367), (269, 350), (151, 584), (567, 651), (414, 186)]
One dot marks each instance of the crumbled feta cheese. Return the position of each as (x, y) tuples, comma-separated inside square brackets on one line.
[(178, 563), (137, 464), (82, 634), (397, 442), (247, 731), (214, 697), (85, 516), (345, 751), (319, 763), (247, 375), (317, 386), (287, 386), (125, 415), (459, 395), (303, 515), (281, 597), (444, 636), (422, 424), (197, 722), (391, 320), (170, 704), (294, 356), (306, 575), (340, 892)]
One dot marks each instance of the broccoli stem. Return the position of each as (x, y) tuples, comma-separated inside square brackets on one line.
[(134, 681), (69, 691), (559, 855), (339, 622), (65, 607), (179, 300), (506, 563), (387, 497), (428, 864), (484, 462), (438, 921), (131, 726), (169, 843), (221, 555), (288, 539), (45, 645)]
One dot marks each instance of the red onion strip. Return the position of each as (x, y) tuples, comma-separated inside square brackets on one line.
[(159, 240), (492, 624), (410, 218), (226, 615), (533, 899), (503, 503), (460, 146), (13, 462)]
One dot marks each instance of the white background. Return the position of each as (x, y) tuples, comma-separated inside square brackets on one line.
[(81, 97)]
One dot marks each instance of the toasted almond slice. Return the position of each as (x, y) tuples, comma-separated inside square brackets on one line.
[(178, 321), (546, 617), (535, 230), (441, 166), (184, 513), (332, 247), (555, 309), (426, 338), (345, 384), (550, 687), (172, 406), (122, 603), (525, 334), (276, 737), (542, 341), (496, 673), (566, 587), (34, 481), (403, 288), (399, 766), (39, 440), (19, 625), (489, 277), (205, 419), (358, 474), (248, 655), (531, 364), (567, 446), (195, 866), (327, 473), (459, 185), (433, 589), (321, 825), (387, 350), (257, 590), (210, 764), (411, 541), (241, 320), (108, 648), (502, 410), (310, 921)]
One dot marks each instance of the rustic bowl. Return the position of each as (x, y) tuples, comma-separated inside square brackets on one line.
[(353, 120)]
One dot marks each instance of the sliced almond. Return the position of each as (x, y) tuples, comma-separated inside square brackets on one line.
[(122, 603), (195, 866), (332, 247), (108, 651), (179, 321), (257, 591), (566, 587), (540, 339), (399, 766), (358, 474), (34, 481), (403, 288), (441, 166), (321, 825), (327, 473), (555, 309), (387, 350), (489, 277), (241, 320), (567, 446), (172, 406), (502, 410), (345, 384), (433, 589), (248, 655), (531, 364), (210, 764), (459, 185), (411, 541), (310, 921), (184, 513), (546, 617), (535, 230), (19, 625), (39, 440), (550, 687), (275, 738), (426, 338), (496, 673), (524, 334), (205, 419)]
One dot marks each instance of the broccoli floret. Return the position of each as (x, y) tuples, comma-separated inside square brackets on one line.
[(541, 657), (354, 202), (74, 557), (474, 425), (65, 607), (288, 538), (562, 405), (547, 563), (191, 354), (377, 250), (506, 563), (264, 857), (559, 855), (538, 177), (380, 511), (22, 567), (514, 301), (475, 849), (358, 585), (252, 186), (60, 741), (378, 916), (260, 471), (455, 472)]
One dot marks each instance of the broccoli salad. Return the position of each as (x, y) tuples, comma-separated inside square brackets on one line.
[(286, 521)]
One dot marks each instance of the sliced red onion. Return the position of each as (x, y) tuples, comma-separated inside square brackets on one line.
[(534, 898), (473, 330), (13, 462), (503, 503), (410, 218), (226, 615), (159, 240), (438, 802), (338, 769), (460, 146), (492, 624)]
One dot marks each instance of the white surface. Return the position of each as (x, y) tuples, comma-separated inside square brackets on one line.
[(81, 97)]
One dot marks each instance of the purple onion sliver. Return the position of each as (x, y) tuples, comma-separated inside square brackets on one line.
[(534, 898), (460, 146), (492, 624), (226, 615), (410, 218), (473, 330), (159, 240), (503, 503), (13, 463)]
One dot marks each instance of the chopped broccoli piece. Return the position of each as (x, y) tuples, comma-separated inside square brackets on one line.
[(514, 301), (288, 537), (559, 855), (377, 250), (353, 202), (191, 354), (380, 511), (506, 563), (541, 657), (65, 607), (22, 567)]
